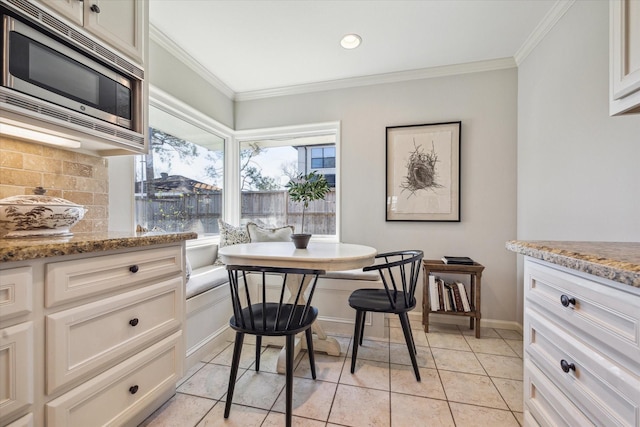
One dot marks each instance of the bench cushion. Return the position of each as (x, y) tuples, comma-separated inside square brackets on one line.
[(357, 274), (205, 278)]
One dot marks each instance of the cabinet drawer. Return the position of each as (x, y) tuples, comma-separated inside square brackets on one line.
[(601, 313), (88, 337), (117, 395), (548, 405), (604, 390), (15, 292), (71, 280), (26, 421), (16, 369)]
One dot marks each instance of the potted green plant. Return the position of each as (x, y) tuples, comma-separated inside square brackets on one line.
[(305, 189)]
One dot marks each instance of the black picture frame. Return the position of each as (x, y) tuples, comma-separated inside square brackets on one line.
[(423, 172)]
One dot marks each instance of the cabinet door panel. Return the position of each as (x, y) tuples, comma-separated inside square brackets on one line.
[(15, 292), (624, 56), (70, 9), (109, 399), (547, 404), (16, 358), (83, 339), (603, 316), (118, 23), (600, 387), (26, 421), (72, 280)]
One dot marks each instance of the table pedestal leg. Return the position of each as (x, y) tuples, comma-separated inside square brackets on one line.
[(321, 342)]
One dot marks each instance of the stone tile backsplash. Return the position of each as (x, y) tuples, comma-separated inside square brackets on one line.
[(77, 177)]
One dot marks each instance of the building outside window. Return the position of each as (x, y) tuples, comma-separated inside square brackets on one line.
[(266, 166)]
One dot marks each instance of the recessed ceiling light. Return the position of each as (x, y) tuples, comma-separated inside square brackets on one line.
[(351, 41)]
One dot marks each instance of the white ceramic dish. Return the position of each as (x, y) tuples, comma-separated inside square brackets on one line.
[(38, 216)]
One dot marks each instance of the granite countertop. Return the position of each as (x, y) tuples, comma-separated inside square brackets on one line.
[(32, 248), (617, 261)]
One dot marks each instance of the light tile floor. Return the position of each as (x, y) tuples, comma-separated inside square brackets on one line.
[(465, 382)]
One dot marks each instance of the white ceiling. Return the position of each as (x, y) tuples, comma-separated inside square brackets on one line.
[(260, 45)]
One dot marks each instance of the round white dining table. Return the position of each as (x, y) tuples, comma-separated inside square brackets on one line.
[(318, 255)]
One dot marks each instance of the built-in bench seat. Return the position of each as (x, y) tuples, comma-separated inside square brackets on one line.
[(209, 306), (206, 278)]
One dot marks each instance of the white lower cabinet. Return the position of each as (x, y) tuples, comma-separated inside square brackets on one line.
[(85, 338), (91, 340), (582, 341), (115, 397)]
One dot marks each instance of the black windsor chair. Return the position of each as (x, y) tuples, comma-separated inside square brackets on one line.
[(399, 274), (263, 312)]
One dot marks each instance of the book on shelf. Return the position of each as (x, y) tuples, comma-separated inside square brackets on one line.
[(441, 303), (453, 304), (446, 294), (464, 297), (433, 293), (458, 260), (455, 290)]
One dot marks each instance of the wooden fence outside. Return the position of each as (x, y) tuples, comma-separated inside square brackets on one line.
[(200, 212)]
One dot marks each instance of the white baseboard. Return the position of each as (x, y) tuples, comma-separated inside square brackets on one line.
[(200, 353), (460, 320)]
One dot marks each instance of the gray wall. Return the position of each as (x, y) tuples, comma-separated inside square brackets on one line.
[(485, 103), (578, 168), (168, 73)]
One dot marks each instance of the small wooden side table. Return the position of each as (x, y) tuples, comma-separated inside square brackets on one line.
[(474, 271)]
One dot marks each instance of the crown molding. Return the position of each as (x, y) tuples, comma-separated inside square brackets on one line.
[(169, 45), (541, 30), (549, 21), (423, 73)]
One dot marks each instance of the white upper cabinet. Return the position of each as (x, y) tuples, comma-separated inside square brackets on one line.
[(120, 23), (624, 86)]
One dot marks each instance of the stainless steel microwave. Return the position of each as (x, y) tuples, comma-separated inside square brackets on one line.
[(47, 77), (39, 66)]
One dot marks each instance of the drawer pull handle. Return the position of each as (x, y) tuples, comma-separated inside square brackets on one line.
[(95, 8), (566, 366), (565, 300), (133, 389), (134, 321), (134, 269)]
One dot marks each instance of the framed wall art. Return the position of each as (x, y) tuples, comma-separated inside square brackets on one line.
[(423, 172)]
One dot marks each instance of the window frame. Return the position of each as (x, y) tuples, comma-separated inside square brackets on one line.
[(232, 140), (171, 105), (284, 132)]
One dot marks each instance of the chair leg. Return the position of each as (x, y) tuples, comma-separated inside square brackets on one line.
[(406, 329), (413, 342), (312, 359), (289, 378), (356, 340), (364, 314), (258, 349), (237, 351)]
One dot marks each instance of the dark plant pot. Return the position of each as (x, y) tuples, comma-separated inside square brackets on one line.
[(300, 240)]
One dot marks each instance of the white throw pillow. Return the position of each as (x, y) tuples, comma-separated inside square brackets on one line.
[(231, 235), (260, 234)]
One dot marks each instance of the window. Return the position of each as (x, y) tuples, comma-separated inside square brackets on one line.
[(178, 185), (324, 157), (267, 165)]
